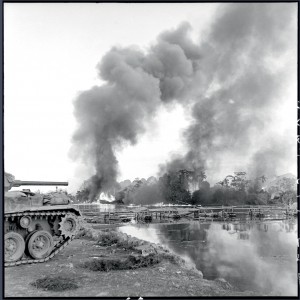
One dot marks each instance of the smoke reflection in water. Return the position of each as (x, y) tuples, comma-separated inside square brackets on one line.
[(251, 256)]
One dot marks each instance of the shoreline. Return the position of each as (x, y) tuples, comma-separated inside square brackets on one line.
[(113, 264)]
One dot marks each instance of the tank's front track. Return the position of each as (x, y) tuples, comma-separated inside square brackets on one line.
[(54, 220)]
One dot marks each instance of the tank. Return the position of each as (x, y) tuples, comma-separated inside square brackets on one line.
[(36, 226)]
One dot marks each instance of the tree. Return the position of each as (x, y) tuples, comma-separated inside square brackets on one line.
[(284, 189), (202, 175), (173, 189), (82, 195)]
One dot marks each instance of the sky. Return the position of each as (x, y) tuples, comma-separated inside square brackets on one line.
[(50, 55)]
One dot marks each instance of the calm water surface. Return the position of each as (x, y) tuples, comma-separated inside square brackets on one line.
[(257, 256)]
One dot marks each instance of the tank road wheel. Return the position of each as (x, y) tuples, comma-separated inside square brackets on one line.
[(14, 246), (40, 244), (69, 225)]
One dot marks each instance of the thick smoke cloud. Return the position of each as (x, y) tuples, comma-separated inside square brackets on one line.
[(243, 89), (115, 113), (226, 80), (112, 114)]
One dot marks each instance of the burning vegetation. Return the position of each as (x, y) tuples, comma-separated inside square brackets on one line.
[(187, 187)]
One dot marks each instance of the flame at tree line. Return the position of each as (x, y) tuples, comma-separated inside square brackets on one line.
[(188, 187), (229, 83)]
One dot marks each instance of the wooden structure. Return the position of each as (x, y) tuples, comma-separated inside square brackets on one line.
[(94, 214)]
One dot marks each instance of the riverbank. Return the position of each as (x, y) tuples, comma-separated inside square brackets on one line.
[(108, 263)]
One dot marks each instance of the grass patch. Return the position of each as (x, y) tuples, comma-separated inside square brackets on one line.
[(113, 238), (131, 262), (108, 239), (55, 283), (174, 259)]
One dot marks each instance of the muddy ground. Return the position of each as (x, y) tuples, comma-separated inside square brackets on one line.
[(164, 277)]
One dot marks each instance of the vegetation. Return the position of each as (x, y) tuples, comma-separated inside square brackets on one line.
[(173, 190), (82, 195), (126, 252), (55, 283), (130, 262), (187, 187)]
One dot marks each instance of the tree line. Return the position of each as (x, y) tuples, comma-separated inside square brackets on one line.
[(188, 187)]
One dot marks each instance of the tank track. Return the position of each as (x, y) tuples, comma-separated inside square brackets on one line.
[(60, 245)]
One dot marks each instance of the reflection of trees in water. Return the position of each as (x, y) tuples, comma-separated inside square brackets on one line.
[(243, 236), (285, 225), (196, 231), (230, 250), (242, 229), (290, 226), (184, 232)]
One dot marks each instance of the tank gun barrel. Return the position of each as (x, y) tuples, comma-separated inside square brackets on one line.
[(17, 183)]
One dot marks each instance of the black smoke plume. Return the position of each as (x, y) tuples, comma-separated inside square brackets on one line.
[(225, 82), (242, 90)]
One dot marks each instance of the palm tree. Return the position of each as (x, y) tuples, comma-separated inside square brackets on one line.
[(202, 175), (263, 178)]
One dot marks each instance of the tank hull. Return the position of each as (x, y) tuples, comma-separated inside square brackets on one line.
[(36, 226)]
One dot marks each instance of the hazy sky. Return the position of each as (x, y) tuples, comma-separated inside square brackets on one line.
[(50, 54)]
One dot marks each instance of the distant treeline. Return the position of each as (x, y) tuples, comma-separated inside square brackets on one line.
[(184, 187)]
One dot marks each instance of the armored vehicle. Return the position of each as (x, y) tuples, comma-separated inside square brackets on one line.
[(36, 226)]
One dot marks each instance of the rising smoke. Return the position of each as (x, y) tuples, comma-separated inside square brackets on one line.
[(243, 89), (226, 82)]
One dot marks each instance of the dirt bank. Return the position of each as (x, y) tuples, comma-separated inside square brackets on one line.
[(103, 264)]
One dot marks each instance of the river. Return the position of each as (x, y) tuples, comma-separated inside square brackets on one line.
[(259, 256)]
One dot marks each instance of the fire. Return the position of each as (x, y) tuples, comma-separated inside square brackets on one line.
[(107, 197)]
